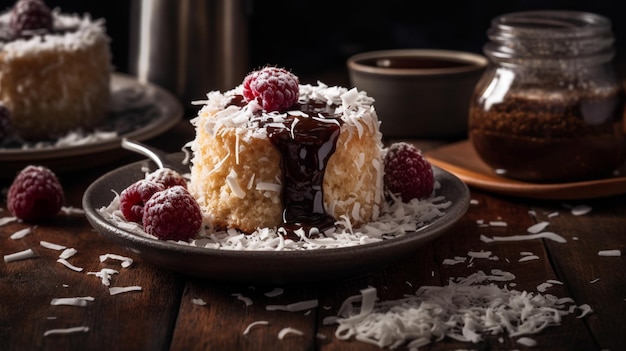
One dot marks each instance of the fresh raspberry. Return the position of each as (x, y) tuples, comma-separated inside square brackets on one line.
[(172, 214), (407, 172), (30, 15), (35, 194), (168, 177), (276, 89), (134, 198)]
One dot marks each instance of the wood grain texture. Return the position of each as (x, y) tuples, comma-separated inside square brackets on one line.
[(165, 314)]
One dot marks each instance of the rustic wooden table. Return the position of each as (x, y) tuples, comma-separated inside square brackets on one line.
[(165, 313)]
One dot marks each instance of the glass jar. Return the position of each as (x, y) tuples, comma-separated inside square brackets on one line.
[(550, 106)]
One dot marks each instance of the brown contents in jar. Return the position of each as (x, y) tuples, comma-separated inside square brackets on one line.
[(544, 138)]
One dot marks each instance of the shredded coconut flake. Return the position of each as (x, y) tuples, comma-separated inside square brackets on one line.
[(294, 307), (69, 265), (198, 301), (67, 253), (105, 275), (120, 290), (21, 233), (246, 300), (544, 235), (7, 220), (275, 292), (614, 253), (21, 255), (52, 246), (82, 329), (126, 261), (71, 301), (286, 331), (537, 227), (463, 310), (254, 324), (580, 210)]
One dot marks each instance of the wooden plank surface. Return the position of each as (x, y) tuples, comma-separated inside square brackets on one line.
[(167, 315)]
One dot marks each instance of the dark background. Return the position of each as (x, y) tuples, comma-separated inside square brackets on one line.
[(311, 36)]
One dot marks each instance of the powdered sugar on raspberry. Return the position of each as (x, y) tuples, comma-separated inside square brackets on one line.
[(275, 89)]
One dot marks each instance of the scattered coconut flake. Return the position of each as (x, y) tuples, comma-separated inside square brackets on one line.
[(245, 299), (553, 214), (594, 280), (69, 210), (67, 253), (463, 310), (526, 341), (71, 301), (275, 292), (580, 210), (585, 310), (21, 255), (120, 290), (285, 331), (21, 233), (198, 301), (254, 324), (544, 286), (395, 219), (69, 265), (126, 261), (613, 253), (453, 261), (473, 202), (7, 220), (543, 235), (294, 307), (479, 254), (82, 329), (52, 246), (497, 223), (528, 258), (105, 275), (538, 227)]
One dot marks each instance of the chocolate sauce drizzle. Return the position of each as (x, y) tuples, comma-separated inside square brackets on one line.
[(305, 145)]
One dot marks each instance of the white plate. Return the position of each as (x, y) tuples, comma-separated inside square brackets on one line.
[(267, 267), (139, 111)]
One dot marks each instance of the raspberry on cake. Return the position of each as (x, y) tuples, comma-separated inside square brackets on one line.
[(304, 159), (55, 70)]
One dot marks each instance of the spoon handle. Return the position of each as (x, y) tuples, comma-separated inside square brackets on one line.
[(157, 156)]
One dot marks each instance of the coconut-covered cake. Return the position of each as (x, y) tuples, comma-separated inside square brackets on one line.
[(55, 70), (276, 153)]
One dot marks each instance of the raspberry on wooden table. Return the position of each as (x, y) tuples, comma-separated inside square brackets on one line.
[(35, 194), (30, 15), (276, 89), (168, 177), (407, 172), (134, 198), (172, 214)]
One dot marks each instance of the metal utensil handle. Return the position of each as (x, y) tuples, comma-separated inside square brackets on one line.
[(151, 153)]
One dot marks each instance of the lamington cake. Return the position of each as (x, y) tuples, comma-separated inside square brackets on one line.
[(274, 153), (55, 70)]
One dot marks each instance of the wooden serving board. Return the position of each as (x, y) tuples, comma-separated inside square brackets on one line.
[(461, 159)]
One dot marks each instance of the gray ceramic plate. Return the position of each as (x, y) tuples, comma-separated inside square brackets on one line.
[(139, 111), (269, 267)]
